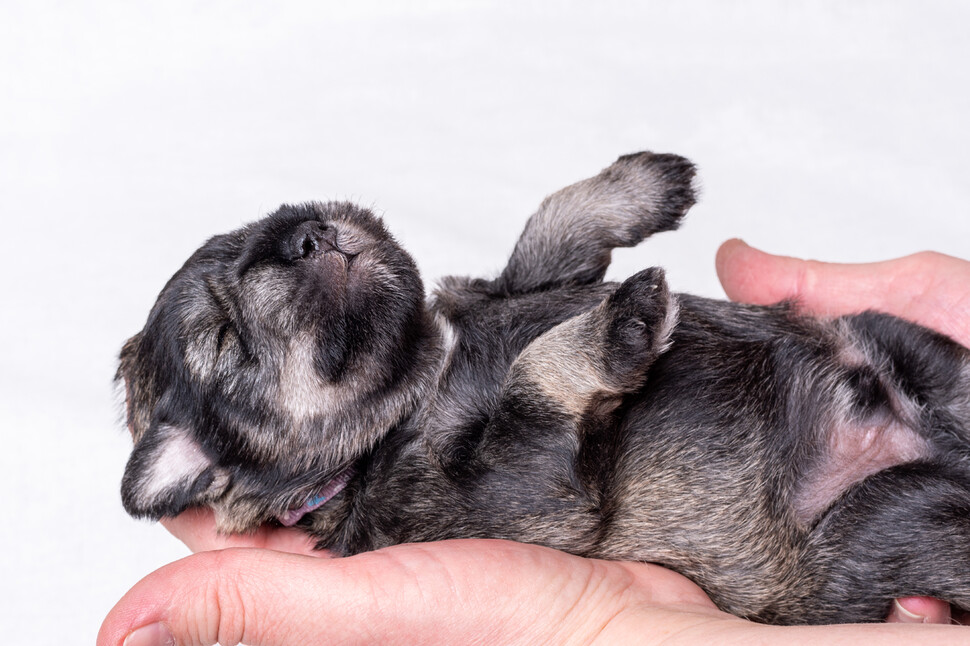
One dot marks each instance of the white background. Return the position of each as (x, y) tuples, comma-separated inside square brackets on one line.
[(130, 132)]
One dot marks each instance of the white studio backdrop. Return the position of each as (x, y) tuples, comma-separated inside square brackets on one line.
[(130, 132)]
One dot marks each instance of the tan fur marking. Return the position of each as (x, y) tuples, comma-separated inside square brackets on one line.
[(177, 460), (302, 393), (565, 363)]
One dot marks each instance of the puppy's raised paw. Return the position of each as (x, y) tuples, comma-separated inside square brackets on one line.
[(660, 184), (642, 314), (569, 239)]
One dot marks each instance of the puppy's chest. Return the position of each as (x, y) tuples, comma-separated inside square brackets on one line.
[(488, 333)]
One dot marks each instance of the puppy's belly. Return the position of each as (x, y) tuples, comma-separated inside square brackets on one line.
[(854, 451)]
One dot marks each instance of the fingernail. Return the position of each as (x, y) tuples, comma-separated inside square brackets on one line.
[(151, 635), (906, 615)]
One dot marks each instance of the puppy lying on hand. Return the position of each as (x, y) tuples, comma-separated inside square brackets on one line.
[(800, 471)]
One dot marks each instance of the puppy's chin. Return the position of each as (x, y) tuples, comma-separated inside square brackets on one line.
[(325, 278)]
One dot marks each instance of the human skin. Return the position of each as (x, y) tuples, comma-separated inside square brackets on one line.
[(271, 588), (928, 288)]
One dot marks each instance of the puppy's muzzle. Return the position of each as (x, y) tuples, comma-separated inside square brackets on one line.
[(312, 237)]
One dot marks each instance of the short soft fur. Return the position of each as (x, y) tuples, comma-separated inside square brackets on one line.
[(800, 471)]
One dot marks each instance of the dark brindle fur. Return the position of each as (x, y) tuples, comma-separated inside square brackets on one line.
[(800, 471)]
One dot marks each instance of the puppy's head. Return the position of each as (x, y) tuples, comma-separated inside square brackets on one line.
[(275, 356)]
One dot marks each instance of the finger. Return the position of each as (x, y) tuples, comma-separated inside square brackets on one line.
[(927, 288), (207, 598), (457, 592), (196, 528), (919, 610), (827, 289), (453, 592)]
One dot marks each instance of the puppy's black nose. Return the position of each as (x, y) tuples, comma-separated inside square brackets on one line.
[(312, 237)]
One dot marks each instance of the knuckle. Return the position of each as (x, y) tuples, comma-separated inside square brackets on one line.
[(218, 613), (926, 257)]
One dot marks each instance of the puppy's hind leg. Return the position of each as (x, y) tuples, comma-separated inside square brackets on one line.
[(902, 532), (530, 483), (569, 239), (580, 369), (928, 374)]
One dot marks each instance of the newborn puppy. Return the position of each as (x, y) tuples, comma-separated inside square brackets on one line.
[(800, 471)]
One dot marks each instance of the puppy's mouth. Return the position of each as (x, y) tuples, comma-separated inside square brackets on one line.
[(331, 257), (318, 242)]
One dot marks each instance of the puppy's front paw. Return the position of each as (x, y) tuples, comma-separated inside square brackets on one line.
[(642, 315)]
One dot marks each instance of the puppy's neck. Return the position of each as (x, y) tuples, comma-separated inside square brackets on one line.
[(374, 410), (433, 355)]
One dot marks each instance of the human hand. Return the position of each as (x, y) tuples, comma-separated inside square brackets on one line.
[(196, 528), (497, 592), (927, 288), (452, 592)]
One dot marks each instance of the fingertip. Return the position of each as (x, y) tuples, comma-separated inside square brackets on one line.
[(749, 275), (727, 252), (729, 262), (144, 605), (157, 634), (208, 597), (919, 610), (196, 527)]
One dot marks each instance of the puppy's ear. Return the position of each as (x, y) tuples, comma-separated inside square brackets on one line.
[(167, 473), (141, 392)]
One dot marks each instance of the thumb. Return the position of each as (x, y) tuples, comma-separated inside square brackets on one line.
[(927, 288), (456, 592), (225, 596), (827, 289)]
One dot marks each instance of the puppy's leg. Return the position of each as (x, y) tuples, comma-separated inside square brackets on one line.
[(529, 481), (902, 532), (902, 394), (928, 373), (569, 239), (581, 368)]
